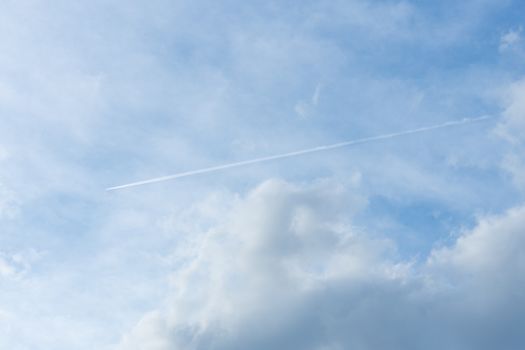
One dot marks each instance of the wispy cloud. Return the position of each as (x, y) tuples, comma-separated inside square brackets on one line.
[(510, 39)]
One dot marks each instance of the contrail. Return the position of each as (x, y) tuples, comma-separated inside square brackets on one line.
[(301, 152)]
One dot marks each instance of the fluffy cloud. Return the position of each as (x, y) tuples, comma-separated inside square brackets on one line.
[(285, 269)]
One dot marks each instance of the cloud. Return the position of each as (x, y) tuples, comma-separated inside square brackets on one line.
[(16, 265), (95, 93), (305, 108), (492, 250), (515, 166), (9, 204), (513, 125), (510, 39), (286, 269), (512, 129)]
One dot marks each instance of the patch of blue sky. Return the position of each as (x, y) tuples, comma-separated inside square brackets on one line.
[(417, 225)]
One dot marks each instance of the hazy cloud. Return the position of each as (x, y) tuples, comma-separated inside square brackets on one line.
[(512, 129), (510, 39)]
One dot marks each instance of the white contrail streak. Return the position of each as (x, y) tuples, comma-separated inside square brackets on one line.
[(301, 152)]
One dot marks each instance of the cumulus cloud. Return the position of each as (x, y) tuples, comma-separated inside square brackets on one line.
[(286, 269)]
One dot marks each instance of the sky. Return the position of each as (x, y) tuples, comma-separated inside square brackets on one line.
[(416, 242)]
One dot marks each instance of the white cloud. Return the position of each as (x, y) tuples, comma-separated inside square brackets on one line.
[(16, 265), (9, 204), (305, 108), (4, 154), (513, 124), (512, 129), (515, 166), (285, 269), (510, 39), (495, 246), (6, 269)]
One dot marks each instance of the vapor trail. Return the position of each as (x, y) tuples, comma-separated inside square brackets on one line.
[(301, 152)]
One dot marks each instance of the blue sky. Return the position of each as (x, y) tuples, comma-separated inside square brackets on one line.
[(409, 243)]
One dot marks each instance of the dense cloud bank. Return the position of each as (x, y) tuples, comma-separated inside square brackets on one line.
[(285, 269)]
